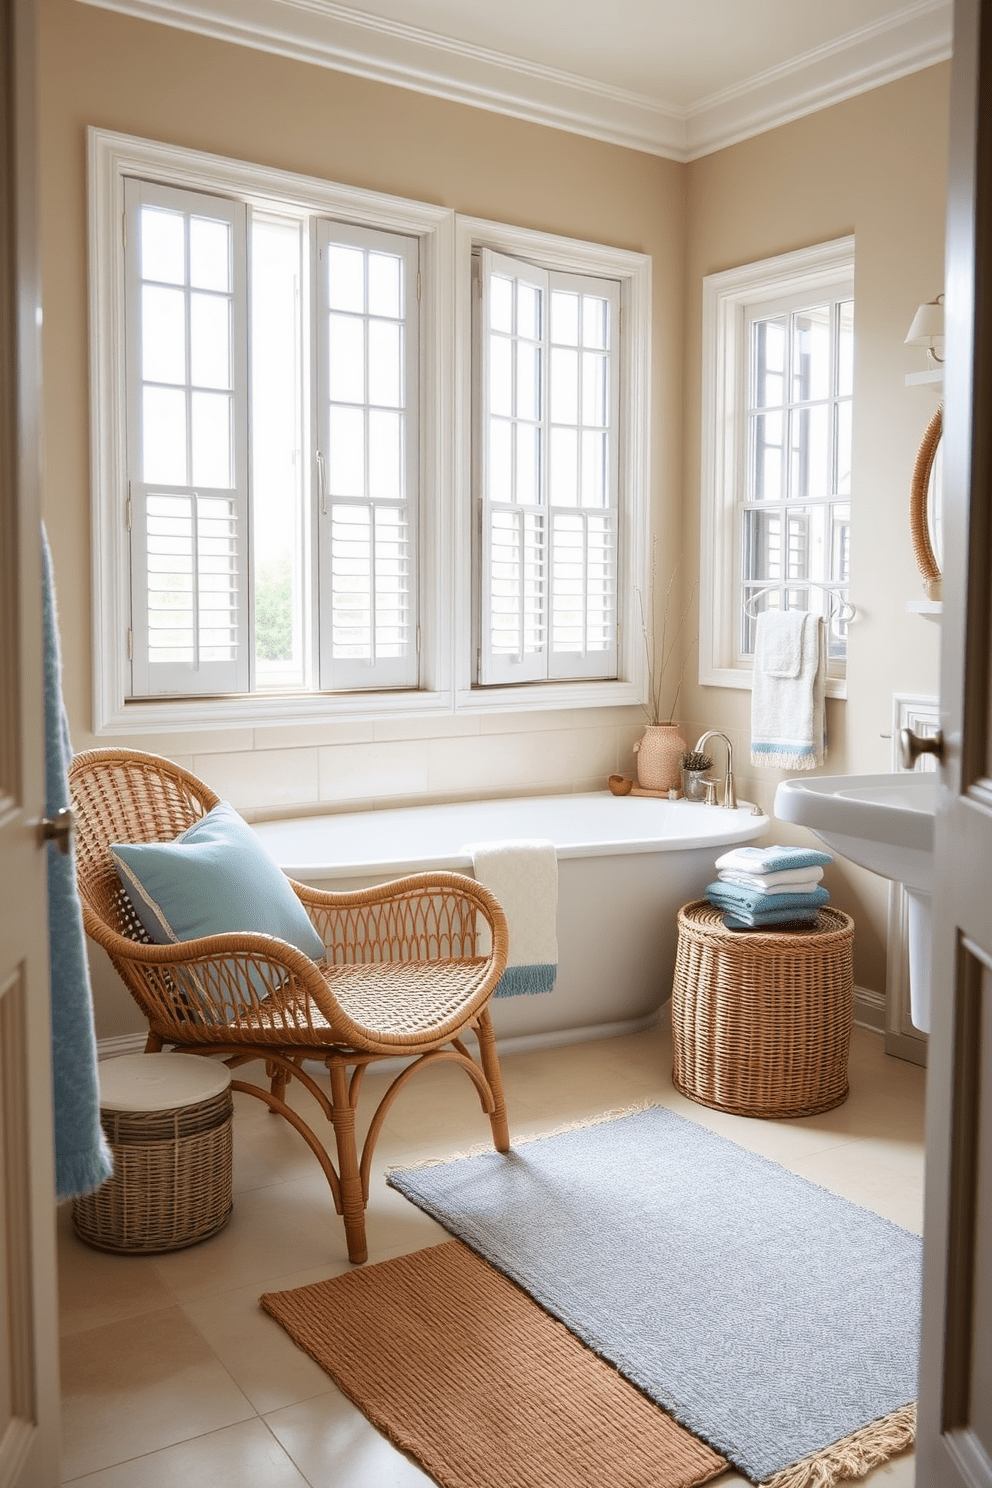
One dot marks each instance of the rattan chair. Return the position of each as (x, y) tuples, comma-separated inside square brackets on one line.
[(402, 977)]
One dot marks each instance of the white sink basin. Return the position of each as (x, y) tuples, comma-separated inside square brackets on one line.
[(885, 823), (881, 822)]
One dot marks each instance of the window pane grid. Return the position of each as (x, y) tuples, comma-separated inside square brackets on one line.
[(516, 354), (185, 335), (549, 476), (366, 373), (795, 513)]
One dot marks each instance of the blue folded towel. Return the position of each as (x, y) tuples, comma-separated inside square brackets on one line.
[(736, 899), (799, 918), (772, 859)]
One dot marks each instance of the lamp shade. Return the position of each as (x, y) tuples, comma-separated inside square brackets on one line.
[(928, 325)]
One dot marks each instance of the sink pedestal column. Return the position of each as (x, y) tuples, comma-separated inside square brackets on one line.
[(920, 941)]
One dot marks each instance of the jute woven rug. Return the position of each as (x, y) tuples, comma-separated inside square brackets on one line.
[(459, 1368)]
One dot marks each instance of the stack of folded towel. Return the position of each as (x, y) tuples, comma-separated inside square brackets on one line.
[(759, 887)]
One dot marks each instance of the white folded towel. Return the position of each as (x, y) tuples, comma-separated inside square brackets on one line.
[(775, 859), (523, 874), (774, 883), (788, 720)]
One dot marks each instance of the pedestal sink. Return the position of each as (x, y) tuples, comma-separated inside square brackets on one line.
[(885, 823)]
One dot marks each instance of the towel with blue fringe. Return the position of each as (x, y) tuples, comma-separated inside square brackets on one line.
[(523, 874)]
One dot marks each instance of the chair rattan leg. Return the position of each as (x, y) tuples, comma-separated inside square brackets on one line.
[(490, 1065), (278, 1077), (349, 1174)]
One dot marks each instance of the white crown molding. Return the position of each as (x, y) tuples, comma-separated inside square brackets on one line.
[(327, 34), (892, 48), (331, 35)]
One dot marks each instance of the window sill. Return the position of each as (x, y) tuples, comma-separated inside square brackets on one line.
[(163, 716), (733, 677), (546, 697)]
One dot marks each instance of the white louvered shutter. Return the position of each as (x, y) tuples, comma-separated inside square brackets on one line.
[(187, 441), (547, 378), (514, 547), (368, 365)]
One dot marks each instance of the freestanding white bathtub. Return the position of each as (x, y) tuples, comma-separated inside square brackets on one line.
[(625, 865)]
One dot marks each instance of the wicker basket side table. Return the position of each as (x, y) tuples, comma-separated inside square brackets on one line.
[(761, 1019), (168, 1119)]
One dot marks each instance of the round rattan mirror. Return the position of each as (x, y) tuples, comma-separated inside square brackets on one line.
[(925, 507)]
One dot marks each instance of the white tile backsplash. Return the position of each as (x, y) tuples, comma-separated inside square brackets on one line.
[(262, 778), (406, 760), (312, 735), (386, 768), (438, 726)]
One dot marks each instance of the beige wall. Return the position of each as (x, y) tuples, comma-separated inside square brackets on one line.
[(873, 165)]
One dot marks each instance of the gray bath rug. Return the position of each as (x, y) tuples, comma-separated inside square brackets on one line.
[(768, 1316)]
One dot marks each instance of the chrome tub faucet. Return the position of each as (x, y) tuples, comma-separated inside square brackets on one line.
[(729, 789)]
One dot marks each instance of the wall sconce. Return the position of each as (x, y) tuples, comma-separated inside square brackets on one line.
[(928, 330)]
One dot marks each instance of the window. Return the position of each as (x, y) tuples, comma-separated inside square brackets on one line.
[(220, 354), (367, 443), (777, 446), (547, 461), (287, 522)]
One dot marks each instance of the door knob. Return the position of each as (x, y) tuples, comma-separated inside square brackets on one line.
[(911, 746), (58, 829)]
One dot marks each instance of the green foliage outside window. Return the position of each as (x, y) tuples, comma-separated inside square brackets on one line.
[(274, 613)]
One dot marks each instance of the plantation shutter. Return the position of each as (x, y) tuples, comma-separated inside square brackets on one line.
[(514, 548), (187, 441), (368, 366), (547, 375)]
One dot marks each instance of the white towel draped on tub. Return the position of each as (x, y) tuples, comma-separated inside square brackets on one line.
[(788, 721), (523, 874)]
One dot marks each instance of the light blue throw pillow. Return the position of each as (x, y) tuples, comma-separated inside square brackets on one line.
[(215, 877)]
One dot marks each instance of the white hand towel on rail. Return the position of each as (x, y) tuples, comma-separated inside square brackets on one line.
[(523, 874), (788, 721)]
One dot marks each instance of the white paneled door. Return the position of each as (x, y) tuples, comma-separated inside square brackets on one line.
[(28, 1361), (955, 1441)]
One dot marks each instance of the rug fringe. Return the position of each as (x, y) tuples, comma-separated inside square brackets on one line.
[(853, 1455), (556, 1131)]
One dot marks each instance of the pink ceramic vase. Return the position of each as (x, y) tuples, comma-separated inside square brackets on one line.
[(658, 754)]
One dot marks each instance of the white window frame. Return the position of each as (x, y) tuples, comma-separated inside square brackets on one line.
[(447, 655), (542, 664), (808, 271), (114, 156), (633, 270)]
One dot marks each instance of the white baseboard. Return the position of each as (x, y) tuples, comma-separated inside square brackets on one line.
[(521, 1043), (126, 1043), (869, 1009)]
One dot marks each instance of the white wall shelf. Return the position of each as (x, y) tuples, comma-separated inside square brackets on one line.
[(931, 374), (932, 608)]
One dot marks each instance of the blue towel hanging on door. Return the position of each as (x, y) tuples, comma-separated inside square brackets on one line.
[(82, 1157)]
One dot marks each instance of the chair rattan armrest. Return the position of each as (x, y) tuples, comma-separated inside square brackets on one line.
[(425, 916)]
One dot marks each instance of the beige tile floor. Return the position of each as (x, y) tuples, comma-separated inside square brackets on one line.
[(173, 1377)]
